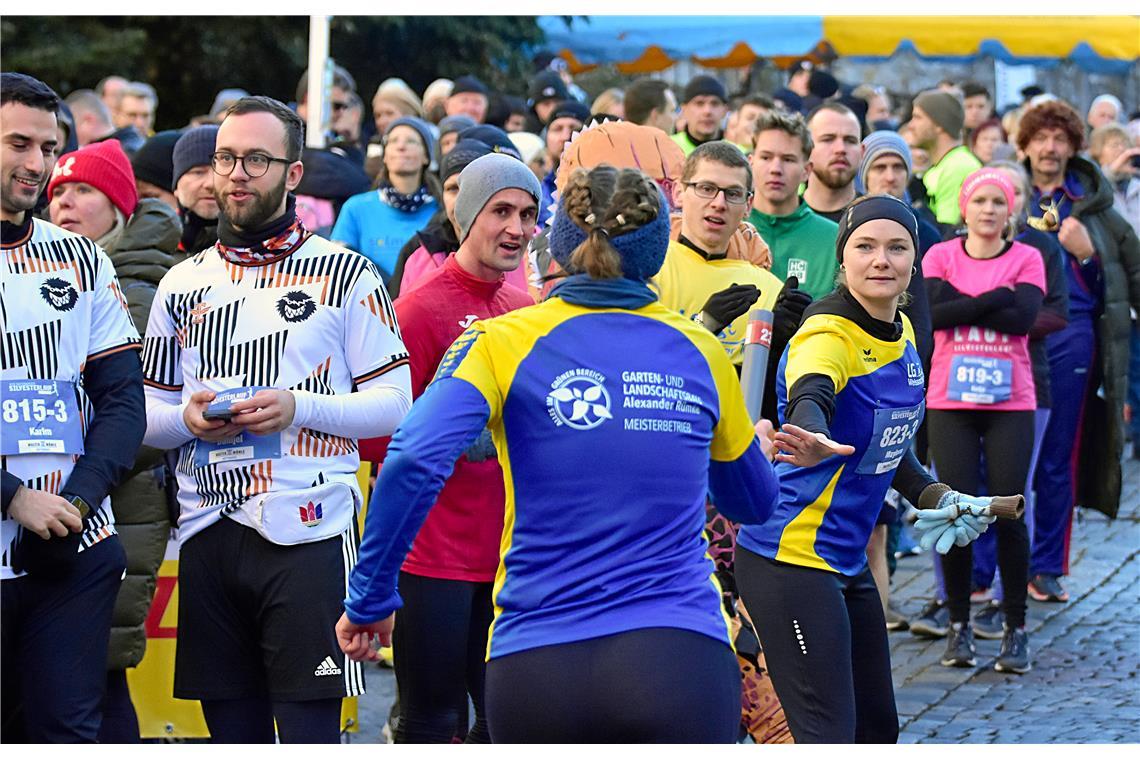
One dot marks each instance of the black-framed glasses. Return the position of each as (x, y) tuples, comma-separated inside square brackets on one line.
[(735, 195), (253, 164)]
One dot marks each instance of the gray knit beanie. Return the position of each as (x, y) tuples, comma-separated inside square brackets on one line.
[(194, 148), (486, 176), (944, 109), (881, 143)]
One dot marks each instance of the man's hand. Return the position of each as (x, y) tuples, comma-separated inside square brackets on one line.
[(212, 431), (806, 449), (1074, 236), (356, 640), (269, 411), (44, 513)]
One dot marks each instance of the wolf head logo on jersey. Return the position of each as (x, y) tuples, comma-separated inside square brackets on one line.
[(296, 306), (59, 294)]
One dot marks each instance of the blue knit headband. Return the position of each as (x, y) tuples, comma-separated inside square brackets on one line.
[(642, 251)]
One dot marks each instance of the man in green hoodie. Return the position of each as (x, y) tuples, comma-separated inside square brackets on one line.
[(802, 241)]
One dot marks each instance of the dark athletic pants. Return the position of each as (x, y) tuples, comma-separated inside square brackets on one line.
[(55, 633), (647, 685), (825, 642), (440, 645), (957, 439)]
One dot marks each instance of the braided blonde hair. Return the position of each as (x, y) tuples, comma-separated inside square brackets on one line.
[(607, 202)]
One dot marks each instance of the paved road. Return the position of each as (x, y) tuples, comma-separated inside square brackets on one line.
[(1084, 686)]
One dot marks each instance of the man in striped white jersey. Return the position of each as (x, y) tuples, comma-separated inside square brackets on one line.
[(266, 357), (72, 420)]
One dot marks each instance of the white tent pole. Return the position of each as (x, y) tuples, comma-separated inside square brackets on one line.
[(318, 110)]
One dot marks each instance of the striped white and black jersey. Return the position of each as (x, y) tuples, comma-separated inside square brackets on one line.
[(318, 320), (60, 307)]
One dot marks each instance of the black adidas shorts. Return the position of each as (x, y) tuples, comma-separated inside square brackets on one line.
[(256, 619)]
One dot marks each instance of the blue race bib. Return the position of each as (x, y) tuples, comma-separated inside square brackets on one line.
[(980, 380), (891, 435), (246, 446), (40, 417)]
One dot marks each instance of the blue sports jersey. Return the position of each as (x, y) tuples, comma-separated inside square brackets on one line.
[(605, 420), (827, 512)]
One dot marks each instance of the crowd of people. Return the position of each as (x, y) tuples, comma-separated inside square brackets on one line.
[(529, 319)]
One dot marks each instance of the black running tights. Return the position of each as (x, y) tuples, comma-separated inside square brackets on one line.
[(957, 440), (250, 721)]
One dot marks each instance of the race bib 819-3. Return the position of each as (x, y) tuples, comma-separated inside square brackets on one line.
[(40, 417)]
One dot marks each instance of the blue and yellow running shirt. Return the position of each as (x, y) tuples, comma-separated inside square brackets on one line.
[(827, 512), (605, 420), (687, 279)]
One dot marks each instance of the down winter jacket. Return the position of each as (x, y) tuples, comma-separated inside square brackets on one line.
[(143, 253), (1102, 432)]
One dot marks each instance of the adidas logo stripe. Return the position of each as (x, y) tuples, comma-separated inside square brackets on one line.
[(327, 668)]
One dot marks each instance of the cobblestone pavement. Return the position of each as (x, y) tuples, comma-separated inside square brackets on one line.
[(1084, 686)]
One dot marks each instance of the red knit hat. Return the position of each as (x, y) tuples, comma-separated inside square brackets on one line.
[(105, 167)]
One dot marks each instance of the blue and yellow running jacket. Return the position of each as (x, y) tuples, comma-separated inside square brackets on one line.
[(862, 382), (605, 420)]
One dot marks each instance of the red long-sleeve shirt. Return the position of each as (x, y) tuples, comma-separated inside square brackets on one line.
[(460, 538)]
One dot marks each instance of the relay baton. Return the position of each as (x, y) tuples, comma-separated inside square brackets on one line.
[(754, 375)]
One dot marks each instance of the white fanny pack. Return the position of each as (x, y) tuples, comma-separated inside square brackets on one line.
[(301, 516)]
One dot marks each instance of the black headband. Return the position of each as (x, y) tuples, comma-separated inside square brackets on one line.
[(869, 208)]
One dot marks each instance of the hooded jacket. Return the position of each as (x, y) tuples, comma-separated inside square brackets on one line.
[(145, 251), (1102, 433)]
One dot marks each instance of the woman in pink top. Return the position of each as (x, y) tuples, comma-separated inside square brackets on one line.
[(985, 292)]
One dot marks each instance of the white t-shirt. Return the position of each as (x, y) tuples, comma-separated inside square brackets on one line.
[(318, 320), (61, 308)]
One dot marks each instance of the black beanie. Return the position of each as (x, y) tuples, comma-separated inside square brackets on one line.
[(704, 85), (154, 161), (822, 84), (468, 83), (493, 137), (569, 109), (871, 207), (464, 152)]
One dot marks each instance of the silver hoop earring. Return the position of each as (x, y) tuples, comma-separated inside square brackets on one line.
[(842, 267), (913, 271)]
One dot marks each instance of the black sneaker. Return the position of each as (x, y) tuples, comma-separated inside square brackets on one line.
[(933, 621), (1014, 656), (1047, 588), (896, 621), (960, 648), (989, 621)]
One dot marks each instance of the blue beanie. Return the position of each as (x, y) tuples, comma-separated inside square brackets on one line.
[(642, 251), (878, 143), (194, 148), (421, 127)]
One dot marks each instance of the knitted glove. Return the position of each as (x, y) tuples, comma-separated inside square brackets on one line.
[(956, 520)]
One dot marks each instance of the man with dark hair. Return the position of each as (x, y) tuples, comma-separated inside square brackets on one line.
[(93, 122), (835, 155), (792, 95), (977, 105), (742, 119), (704, 107), (70, 354), (468, 96), (267, 356), (1088, 359), (343, 87), (651, 102), (936, 122), (802, 241), (568, 117)]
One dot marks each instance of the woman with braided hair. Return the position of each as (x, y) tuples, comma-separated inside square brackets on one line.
[(612, 417)]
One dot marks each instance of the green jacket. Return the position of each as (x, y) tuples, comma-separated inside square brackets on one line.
[(802, 244), (943, 183), (143, 253), (1102, 432)]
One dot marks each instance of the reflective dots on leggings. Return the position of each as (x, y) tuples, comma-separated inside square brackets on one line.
[(800, 637)]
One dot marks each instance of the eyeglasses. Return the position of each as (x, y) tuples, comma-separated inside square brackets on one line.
[(253, 164), (735, 195)]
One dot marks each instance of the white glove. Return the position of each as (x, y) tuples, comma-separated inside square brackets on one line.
[(956, 520)]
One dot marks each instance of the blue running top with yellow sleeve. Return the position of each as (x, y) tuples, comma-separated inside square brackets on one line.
[(605, 421), (826, 512)]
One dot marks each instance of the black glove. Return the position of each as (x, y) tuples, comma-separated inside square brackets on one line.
[(724, 307), (787, 313)]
